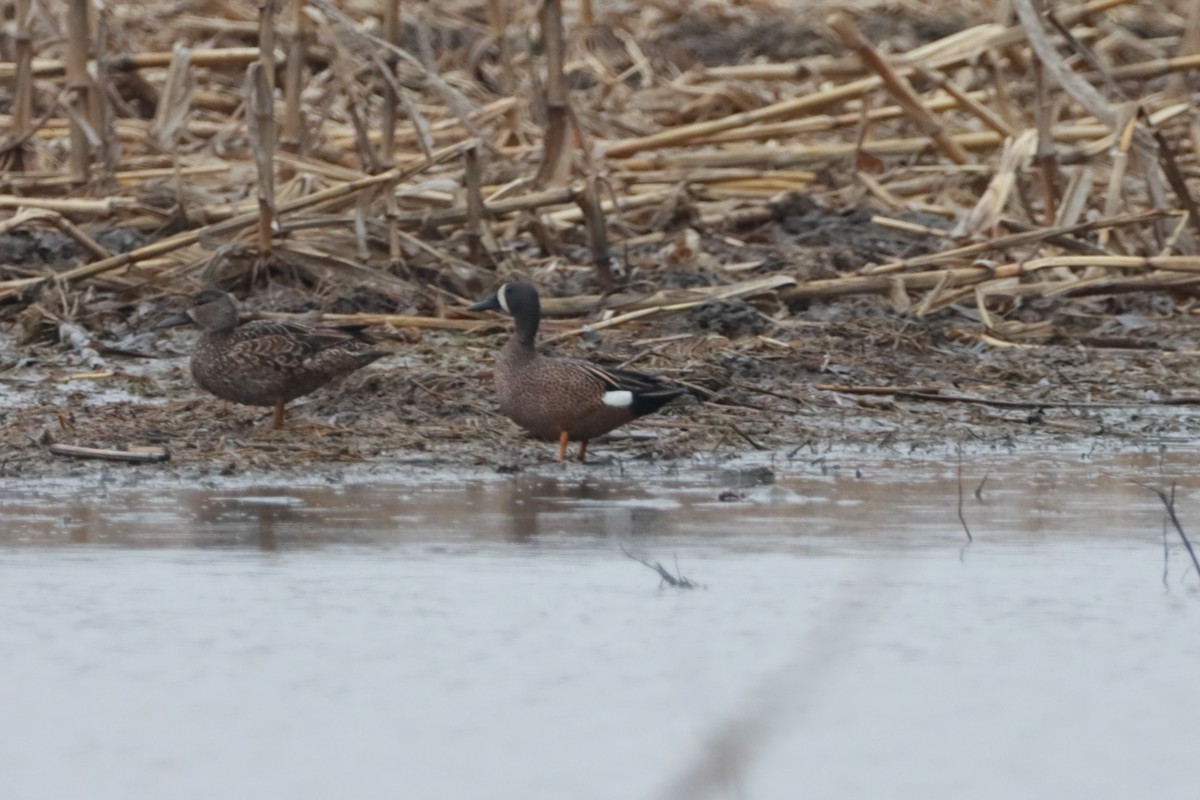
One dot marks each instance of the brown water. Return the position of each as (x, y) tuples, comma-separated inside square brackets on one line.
[(454, 637)]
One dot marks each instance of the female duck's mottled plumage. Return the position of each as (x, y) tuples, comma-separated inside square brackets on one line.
[(266, 363), (564, 399)]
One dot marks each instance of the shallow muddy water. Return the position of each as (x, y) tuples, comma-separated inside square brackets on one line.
[(486, 636)]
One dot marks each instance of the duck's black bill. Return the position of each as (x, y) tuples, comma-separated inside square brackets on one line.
[(175, 320), (491, 304)]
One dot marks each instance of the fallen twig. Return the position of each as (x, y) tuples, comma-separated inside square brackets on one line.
[(1168, 501), (133, 455), (677, 580), (966, 528), (934, 395)]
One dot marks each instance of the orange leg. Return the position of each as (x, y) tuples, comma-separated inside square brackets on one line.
[(582, 450), (278, 423), (562, 447)]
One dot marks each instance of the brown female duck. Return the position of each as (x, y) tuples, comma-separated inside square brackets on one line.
[(560, 398), (266, 363)]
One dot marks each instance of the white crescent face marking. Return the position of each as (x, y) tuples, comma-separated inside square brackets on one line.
[(618, 399), (500, 295)]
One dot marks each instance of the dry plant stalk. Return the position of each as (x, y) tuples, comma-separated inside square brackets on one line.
[(597, 230), (387, 124), (556, 147), (260, 127), (476, 249), (175, 100), (987, 212), (293, 117), (132, 62), (22, 86), (898, 87), (498, 22), (78, 86), (100, 109), (266, 41)]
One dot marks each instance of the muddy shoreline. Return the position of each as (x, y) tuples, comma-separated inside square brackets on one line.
[(429, 407)]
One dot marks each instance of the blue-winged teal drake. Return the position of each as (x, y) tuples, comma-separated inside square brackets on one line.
[(564, 399), (266, 363)]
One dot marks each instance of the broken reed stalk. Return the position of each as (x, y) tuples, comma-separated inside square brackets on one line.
[(898, 86), (227, 57), (387, 320), (992, 203), (785, 156), (35, 216), (1056, 67), (1175, 178), (961, 518), (387, 126), (663, 302), (147, 454), (95, 209), (174, 101), (1114, 197), (476, 250), (1168, 501), (1163, 267), (498, 21), (965, 100), (1046, 156), (1015, 240), (1189, 45), (935, 394), (820, 123), (22, 86), (597, 230), (493, 209), (556, 146), (387, 123), (292, 138), (266, 41), (100, 107), (260, 127), (78, 85)]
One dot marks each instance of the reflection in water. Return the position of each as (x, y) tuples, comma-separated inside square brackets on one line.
[(875, 505), (486, 637)]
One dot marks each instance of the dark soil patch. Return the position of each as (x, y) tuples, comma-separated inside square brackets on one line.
[(694, 40), (850, 234), (53, 249)]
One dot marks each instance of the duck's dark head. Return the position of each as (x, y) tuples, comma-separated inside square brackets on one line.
[(521, 301), (211, 309)]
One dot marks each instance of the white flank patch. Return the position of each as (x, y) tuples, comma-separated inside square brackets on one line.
[(618, 399), (503, 301)]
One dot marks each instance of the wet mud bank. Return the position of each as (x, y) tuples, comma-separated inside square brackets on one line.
[(840, 387)]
